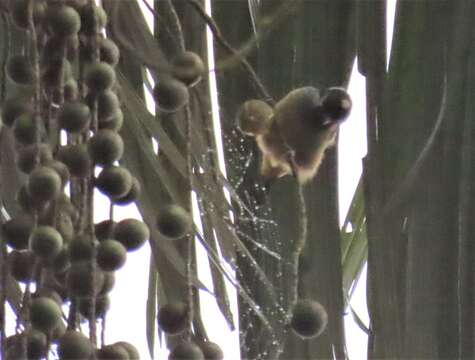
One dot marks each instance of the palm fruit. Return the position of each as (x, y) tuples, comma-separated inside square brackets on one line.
[(93, 19), (114, 181), (48, 293), (44, 184), (105, 147), (113, 122), (80, 248), (15, 107), (173, 221), (170, 94), (36, 344), (131, 233), (107, 104), (21, 265), (45, 314), (46, 242), (74, 117), (19, 12), (25, 201), (111, 255), (31, 344), (73, 346), (108, 51), (78, 280), (60, 168), (211, 350), (186, 351), (173, 317), (32, 155), (132, 195), (16, 232), (112, 352), (99, 77), (60, 263), (19, 70), (131, 349), (188, 68), (62, 20), (104, 229), (102, 306), (254, 117), (76, 158), (109, 282), (70, 90), (24, 129), (309, 318)]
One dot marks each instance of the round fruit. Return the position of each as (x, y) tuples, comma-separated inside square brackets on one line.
[(173, 221), (76, 158), (104, 230), (99, 77), (107, 105), (44, 184), (132, 195), (16, 232), (80, 248), (79, 278), (102, 306), (46, 242), (13, 108), (32, 155), (105, 147), (70, 90), (131, 233), (173, 317), (48, 293), (73, 345), (63, 20), (309, 318), (93, 19), (60, 263), (45, 314), (111, 255), (131, 349), (21, 265), (20, 70), (25, 201), (19, 12), (24, 129), (109, 282), (109, 52), (211, 350), (186, 351), (112, 352), (74, 117), (188, 68), (36, 344), (61, 169), (336, 103), (114, 181), (170, 94), (113, 122), (254, 117)]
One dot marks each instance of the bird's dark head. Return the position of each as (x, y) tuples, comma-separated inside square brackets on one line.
[(336, 104)]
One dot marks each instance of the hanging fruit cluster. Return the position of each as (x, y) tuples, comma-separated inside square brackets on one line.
[(64, 120)]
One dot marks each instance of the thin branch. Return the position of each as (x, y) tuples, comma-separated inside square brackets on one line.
[(222, 41)]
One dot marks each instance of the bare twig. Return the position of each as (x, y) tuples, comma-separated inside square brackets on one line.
[(222, 41)]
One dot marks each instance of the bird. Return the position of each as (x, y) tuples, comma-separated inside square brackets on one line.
[(294, 135)]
